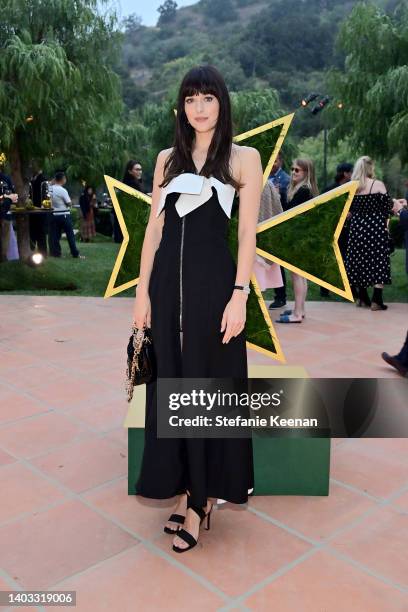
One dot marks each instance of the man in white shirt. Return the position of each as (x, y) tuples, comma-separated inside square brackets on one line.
[(61, 218)]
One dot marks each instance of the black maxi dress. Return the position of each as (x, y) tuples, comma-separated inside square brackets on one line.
[(192, 280)]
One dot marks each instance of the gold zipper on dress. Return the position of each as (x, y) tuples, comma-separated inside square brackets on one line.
[(181, 273)]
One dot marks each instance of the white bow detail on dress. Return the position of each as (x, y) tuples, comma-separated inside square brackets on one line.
[(194, 191)]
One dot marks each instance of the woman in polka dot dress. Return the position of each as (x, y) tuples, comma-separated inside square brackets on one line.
[(368, 252)]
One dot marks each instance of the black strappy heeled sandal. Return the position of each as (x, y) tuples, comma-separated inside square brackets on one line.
[(174, 518), (186, 535)]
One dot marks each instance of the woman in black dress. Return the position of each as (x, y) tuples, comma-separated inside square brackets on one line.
[(368, 252), (87, 203), (193, 296), (302, 187)]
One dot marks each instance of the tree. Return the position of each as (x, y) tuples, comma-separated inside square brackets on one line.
[(313, 146), (253, 108), (373, 84), (219, 10), (59, 95), (132, 24), (287, 35), (168, 11)]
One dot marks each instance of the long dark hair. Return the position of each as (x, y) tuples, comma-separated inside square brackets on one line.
[(205, 80), (128, 168)]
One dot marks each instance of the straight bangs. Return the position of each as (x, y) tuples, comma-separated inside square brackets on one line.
[(199, 81)]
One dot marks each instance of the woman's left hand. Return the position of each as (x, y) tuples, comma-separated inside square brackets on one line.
[(233, 319)]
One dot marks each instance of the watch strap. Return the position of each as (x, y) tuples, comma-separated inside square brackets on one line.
[(244, 288)]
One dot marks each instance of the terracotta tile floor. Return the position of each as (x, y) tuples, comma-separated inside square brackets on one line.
[(66, 521)]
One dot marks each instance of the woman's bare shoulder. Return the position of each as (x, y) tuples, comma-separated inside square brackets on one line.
[(164, 154), (372, 187), (245, 153), (244, 159), (379, 187)]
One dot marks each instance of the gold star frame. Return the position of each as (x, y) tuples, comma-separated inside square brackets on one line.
[(282, 121), (327, 198), (112, 185)]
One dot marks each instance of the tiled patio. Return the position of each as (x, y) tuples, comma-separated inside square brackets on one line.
[(66, 521)]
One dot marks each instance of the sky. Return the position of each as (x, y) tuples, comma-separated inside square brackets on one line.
[(146, 9)]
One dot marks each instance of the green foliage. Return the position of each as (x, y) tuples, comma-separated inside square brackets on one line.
[(287, 34), (149, 130), (167, 12), (306, 240), (251, 109), (219, 11), (374, 82), (338, 152), (254, 108), (132, 24), (136, 214), (284, 44), (16, 274)]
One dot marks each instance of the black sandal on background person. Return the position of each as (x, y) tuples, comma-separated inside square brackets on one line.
[(186, 535), (377, 300), (363, 300)]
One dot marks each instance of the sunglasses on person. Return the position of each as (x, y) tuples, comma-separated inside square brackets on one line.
[(296, 170)]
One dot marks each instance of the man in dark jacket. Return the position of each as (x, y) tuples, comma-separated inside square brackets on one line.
[(280, 179), (400, 361)]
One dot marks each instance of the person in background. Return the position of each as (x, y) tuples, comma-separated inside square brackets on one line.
[(268, 273), (8, 239), (280, 180), (87, 202), (400, 209), (343, 175), (302, 187), (400, 361), (38, 221), (368, 251), (133, 175), (61, 218)]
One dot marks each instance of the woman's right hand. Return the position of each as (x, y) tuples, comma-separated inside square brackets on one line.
[(142, 309)]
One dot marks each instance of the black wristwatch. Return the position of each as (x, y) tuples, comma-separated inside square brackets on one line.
[(245, 288)]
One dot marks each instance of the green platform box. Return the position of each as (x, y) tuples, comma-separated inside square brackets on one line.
[(283, 466)]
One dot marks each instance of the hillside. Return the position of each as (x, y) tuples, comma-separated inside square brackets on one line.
[(285, 44)]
